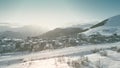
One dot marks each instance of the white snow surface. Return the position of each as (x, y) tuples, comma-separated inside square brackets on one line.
[(46, 59)]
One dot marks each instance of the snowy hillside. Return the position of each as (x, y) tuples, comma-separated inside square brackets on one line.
[(107, 27)]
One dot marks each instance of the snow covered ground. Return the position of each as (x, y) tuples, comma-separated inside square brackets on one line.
[(95, 60), (49, 59)]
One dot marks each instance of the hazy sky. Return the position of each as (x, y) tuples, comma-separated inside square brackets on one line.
[(56, 13)]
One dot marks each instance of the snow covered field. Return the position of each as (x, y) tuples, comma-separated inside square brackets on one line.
[(49, 59), (94, 61)]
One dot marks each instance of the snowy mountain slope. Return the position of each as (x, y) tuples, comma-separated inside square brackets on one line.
[(107, 27), (113, 21)]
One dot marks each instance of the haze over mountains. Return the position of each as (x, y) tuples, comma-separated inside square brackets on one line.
[(106, 27), (32, 31), (20, 32)]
